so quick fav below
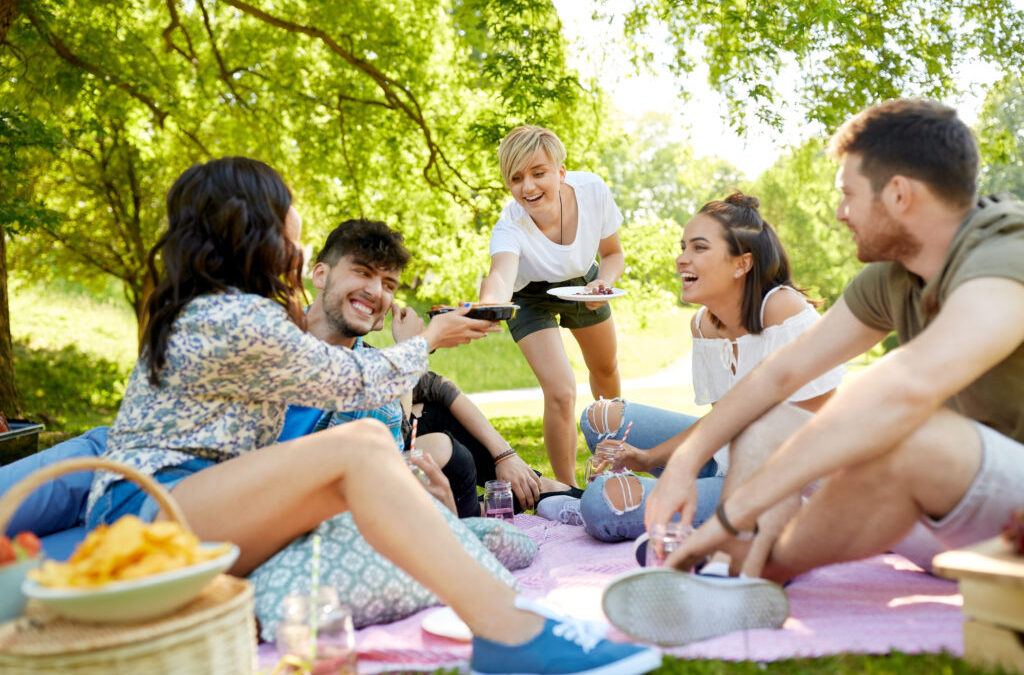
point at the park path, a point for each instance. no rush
(676, 374)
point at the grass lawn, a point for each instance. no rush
(74, 348)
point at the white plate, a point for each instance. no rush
(576, 293)
(444, 622)
(136, 600)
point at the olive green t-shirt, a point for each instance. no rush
(989, 243)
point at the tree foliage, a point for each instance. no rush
(1000, 131)
(798, 197)
(384, 110)
(845, 54)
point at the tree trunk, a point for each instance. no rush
(8, 8)
(8, 389)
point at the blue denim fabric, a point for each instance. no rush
(124, 497)
(651, 426)
(602, 523)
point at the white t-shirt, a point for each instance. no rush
(541, 259)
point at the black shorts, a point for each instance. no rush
(539, 310)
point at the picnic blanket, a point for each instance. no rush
(873, 606)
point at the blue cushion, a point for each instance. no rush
(60, 503)
(298, 421)
(60, 545)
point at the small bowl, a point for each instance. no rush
(135, 600)
(12, 600)
(487, 312)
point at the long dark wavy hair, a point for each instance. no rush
(225, 229)
(747, 232)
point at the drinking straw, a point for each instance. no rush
(625, 434)
(412, 438)
(314, 599)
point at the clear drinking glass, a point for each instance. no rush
(663, 540)
(498, 500)
(408, 456)
(602, 460)
(335, 634)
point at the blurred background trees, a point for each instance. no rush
(394, 110)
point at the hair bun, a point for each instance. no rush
(740, 199)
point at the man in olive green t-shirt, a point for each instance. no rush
(930, 436)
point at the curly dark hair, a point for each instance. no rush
(747, 232)
(371, 242)
(225, 229)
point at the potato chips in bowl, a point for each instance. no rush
(129, 571)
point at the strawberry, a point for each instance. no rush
(28, 543)
(7, 554)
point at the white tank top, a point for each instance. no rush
(719, 363)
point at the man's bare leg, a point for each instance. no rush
(866, 509)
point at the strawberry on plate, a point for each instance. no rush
(25, 545)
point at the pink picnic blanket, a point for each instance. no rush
(873, 606)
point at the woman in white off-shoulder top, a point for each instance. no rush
(732, 264)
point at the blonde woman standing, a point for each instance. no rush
(560, 229)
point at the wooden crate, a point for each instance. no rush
(991, 579)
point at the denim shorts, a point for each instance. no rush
(124, 497)
(539, 310)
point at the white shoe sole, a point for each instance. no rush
(669, 607)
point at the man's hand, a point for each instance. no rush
(455, 328)
(525, 483)
(674, 492)
(405, 323)
(439, 487)
(704, 541)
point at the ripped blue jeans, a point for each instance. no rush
(613, 504)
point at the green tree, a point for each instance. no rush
(1000, 130)
(845, 55)
(655, 176)
(388, 110)
(21, 138)
(798, 197)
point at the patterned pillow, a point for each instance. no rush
(510, 545)
(373, 587)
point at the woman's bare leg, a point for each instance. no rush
(546, 355)
(599, 347)
(267, 497)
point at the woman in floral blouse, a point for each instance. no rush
(223, 353)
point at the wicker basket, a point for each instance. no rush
(214, 633)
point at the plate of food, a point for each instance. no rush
(581, 294)
(129, 571)
(488, 311)
(444, 622)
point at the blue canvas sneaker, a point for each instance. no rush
(565, 646)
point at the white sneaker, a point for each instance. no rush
(562, 508)
(669, 607)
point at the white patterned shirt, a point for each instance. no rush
(234, 363)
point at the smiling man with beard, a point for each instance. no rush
(929, 438)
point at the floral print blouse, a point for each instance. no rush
(234, 363)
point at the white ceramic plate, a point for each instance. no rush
(576, 293)
(444, 622)
(136, 600)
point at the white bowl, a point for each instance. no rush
(135, 600)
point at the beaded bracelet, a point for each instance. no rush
(503, 456)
